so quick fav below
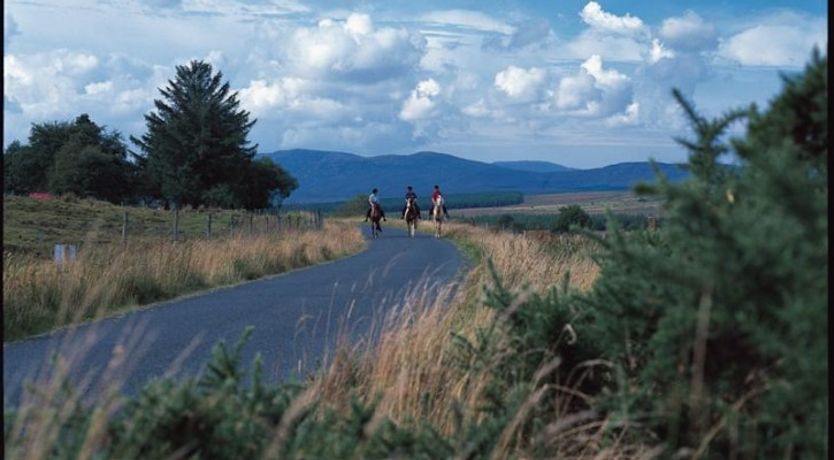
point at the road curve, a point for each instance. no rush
(298, 317)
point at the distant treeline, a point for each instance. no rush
(359, 203)
(551, 222)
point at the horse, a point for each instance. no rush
(437, 213)
(376, 216)
(411, 216)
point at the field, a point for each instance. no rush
(619, 202)
(32, 226)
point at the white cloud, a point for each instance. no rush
(421, 103)
(784, 39)
(468, 19)
(629, 117)
(519, 83)
(594, 91)
(617, 38)
(354, 50)
(594, 16)
(688, 32)
(99, 87)
(477, 109)
(659, 52)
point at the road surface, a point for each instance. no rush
(298, 317)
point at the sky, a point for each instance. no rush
(579, 83)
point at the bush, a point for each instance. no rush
(571, 216)
(717, 322)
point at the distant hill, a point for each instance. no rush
(333, 176)
(534, 166)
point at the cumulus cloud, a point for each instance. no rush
(520, 83)
(658, 52)
(268, 100)
(594, 16)
(422, 101)
(784, 39)
(618, 38)
(688, 32)
(354, 50)
(594, 91)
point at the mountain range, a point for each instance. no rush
(333, 176)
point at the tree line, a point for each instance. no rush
(195, 152)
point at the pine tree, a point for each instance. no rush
(196, 139)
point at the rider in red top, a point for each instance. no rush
(435, 195)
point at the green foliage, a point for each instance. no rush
(719, 319)
(569, 217)
(80, 158)
(355, 207)
(196, 149)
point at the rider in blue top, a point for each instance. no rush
(410, 194)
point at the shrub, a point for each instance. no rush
(717, 322)
(571, 216)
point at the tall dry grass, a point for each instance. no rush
(38, 295)
(410, 370)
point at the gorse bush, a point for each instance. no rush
(718, 322)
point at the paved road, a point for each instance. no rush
(298, 317)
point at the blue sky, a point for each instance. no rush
(579, 83)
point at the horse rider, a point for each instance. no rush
(410, 194)
(373, 199)
(437, 195)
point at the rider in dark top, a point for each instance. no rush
(410, 194)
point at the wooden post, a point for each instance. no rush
(208, 227)
(124, 227)
(176, 223)
(652, 223)
(251, 219)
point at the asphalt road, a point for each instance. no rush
(298, 319)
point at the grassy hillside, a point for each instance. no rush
(33, 226)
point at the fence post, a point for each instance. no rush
(176, 222)
(208, 227)
(251, 219)
(124, 227)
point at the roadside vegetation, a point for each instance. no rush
(705, 338)
(39, 295)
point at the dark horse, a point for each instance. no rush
(411, 216)
(376, 216)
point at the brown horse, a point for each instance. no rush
(376, 216)
(411, 216)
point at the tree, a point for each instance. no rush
(79, 157)
(572, 215)
(266, 183)
(196, 149)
